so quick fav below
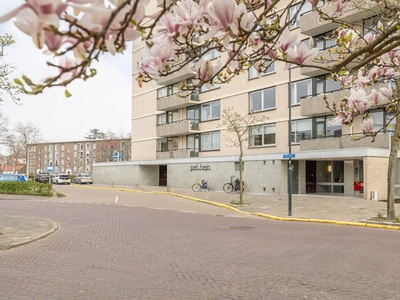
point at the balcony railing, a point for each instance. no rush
(181, 127)
(178, 153)
(176, 101)
(346, 141)
(315, 105)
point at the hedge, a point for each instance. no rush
(26, 188)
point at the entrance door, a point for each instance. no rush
(295, 177)
(311, 178)
(162, 175)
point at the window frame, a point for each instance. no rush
(251, 105)
(252, 70)
(211, 141)
(293, 90)
(211, 109)
(263, 128)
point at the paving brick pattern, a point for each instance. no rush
(143, 246)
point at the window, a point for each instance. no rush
(210, 141)
(324, 41)
(87, 146)
(253, 73)
(300, 89)
(211, 54)
(262, 100)
(262, 135)
(168, 90)
(324, 85)
(294, 9)
(301, 129)
(210, 111)
(161, 119)
(167, 144)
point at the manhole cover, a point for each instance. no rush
(242, 227)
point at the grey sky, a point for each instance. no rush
(102, 102)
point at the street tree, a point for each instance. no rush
(238, 127)
(246, 33)
(20, 137)
(7, 86)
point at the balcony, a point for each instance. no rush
(183, 74)
(182, 127)
(316, 106)
(346, 141)
(176, 101)
(311, 24)
(177, 153)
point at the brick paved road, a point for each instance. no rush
(179, 249)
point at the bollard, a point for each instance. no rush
(136, 186)
(187, 191)
(208, 196)
(112, 185)
(168, 188)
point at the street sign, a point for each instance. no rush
(288, 155)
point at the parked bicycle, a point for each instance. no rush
(200, 186)
(233, 186)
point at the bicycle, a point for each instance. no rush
(200, 186)
(233, 185)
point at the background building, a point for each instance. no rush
(176, 140)
(75, 157)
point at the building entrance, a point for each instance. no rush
(162, 175)
(311, 178)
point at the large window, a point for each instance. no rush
(168, 117)
(211, 54)
(300, 89)
(318, 127)
(253, 73)
(168, 90)
(210, 111)
(262, 100)
(262, 135)
(210, 141)
(294, 9)
(167, 144)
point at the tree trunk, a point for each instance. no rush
(391, 213)
(241, 175)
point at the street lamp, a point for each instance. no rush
(290, 144)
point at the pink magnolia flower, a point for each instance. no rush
(358, 100)
(300, 54)
(387, 93)
(288, 40)
(205, 70)
(376, 96)
(157, 59)
(65, 64)
(368, 125)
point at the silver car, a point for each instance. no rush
(83, 178)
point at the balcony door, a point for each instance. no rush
(311, 178)
(162, 175)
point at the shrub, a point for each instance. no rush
(26, 188)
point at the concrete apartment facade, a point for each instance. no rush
(176, 140)
(76, 156)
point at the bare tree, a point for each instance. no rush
(240, 126)
(21, 136)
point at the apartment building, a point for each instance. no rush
(176, 140)
(77, 156)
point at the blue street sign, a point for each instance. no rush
(288, 155)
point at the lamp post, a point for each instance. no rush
(290, 144)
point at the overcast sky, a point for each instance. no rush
(102, 102)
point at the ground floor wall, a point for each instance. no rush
(364, 177)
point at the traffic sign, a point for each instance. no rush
(289, 155)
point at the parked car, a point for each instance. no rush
(61, 179)
(42, 178)
(83, 178)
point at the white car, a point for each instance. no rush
(83, 178)
(61, 179)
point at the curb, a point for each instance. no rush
(267, 216)
(32, 239)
